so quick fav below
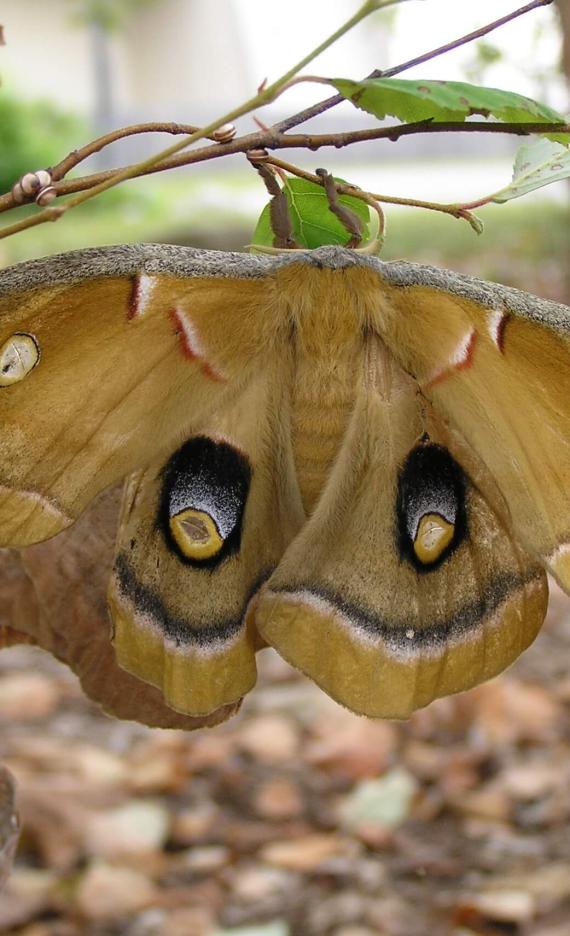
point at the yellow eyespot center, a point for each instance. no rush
(18, 356)
(196, 534)
(433, 536)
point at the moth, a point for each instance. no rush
(364, 465)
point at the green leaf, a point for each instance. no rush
(314, 224)
(444, 101)
(536, 164)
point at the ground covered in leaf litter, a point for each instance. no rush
(296, 818)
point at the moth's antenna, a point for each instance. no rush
(279, 216)
(349, 219)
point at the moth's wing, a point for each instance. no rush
(406, 584)
(53, 595)
(198, 535)
(104, 365)
(495, 364)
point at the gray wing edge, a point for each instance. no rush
(153, 259)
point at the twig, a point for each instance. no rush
(316, 109)
(60, 170)
(277, 141)
(264, 96)
(344, 188)
(270, 138)
(347, 217)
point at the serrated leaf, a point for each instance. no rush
(314, 224)
(444, 101)
(536, 164)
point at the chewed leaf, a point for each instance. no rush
(314, 224)
(536, 164)
(442, 101)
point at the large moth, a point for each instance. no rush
(364, 465)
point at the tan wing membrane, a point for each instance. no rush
(387, 610)
(197, 538)
(97, 378)
(503, 383)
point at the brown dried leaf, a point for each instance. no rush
(306, 853)
(271, 739)
(28, 893)
(9, 824)
(27, 696)
(511, 712)
(109, 892)
(355, 748)
(278, 798)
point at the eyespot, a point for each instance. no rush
(196, 534)
(430, 507)
(204, 492)
(434, 534)
(18, 356)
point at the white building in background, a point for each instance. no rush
(181, 60)
(159, 63)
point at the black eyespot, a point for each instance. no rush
(430, 507)
(204, 493)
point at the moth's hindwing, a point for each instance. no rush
(53, 593)
(198, 537)
(405, 584)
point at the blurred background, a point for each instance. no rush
(72, 69)
(296, 818)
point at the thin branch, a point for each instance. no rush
(264, 96)
(345, 188)
(272, 138)
(77, 156)
(316, 109)
(463, 40)
(278, 141)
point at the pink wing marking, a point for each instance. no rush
(142, 288)
(497, 323)
(191, 344)
(461, 359)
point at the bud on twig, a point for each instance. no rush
(225, 133)
(34, 185)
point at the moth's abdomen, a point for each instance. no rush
(329, 312)
(323, 399)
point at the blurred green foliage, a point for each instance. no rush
(109, 15)
(33, 135)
